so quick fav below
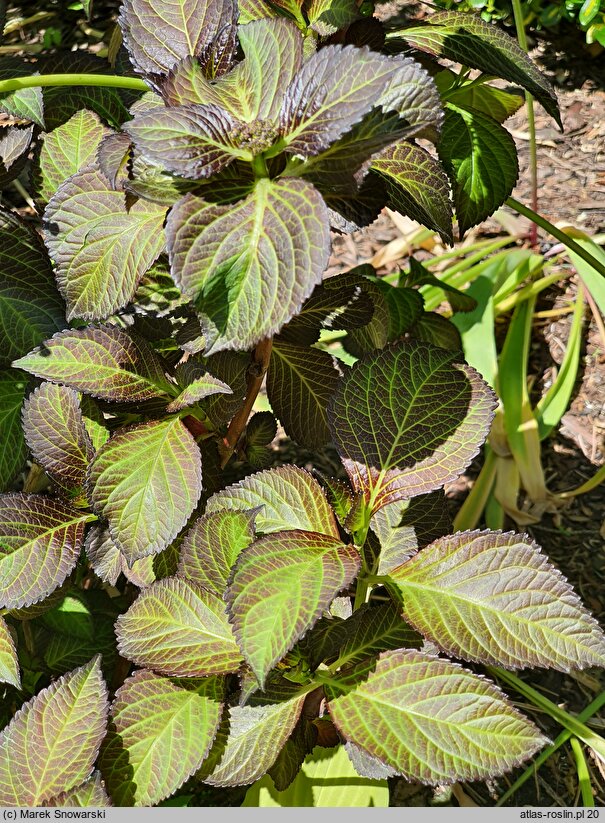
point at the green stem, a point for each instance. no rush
(259, 167)
(583, 773)
(555, 232)
(107, 80)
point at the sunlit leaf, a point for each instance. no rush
(197, 390)
(14, 149)
(51, 744)
(89, 793)
(151, 468)
(432, 720)
(280, 586)
(328, 16)
(495, 598)
(9, 663)
(159, 734)
(22, 103)
(495, 102)
(177, 628)
(13, 450)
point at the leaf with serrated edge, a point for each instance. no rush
(13, 450)
(212, 545)
(66, 150)
(51, 744)
(56, 435)
(490, 100)
(158, 34)
(199, 388)
(101, 249)
(495, 598)
(281, 585)
(467, 39)
(30, 306)
(160, 733)
(153, 468)
(177, 628)
(89, 793)
(286, 498)
(432, 720)
(40, 541)
(256, 736)
(249, 267)
(300, 383)
(23, 103)
(104, 361)
(9, 663)
(407, 420)
(480, 158)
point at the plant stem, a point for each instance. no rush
(256, 375)
(583, 773)
(40, 80)
(558, 233)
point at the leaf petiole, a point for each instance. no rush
(43, 80)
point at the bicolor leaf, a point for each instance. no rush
(9, 662)
(89, 793)
(197, 390)
(25, 104)
(13, 449)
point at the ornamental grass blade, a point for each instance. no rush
(9, 663)
(104, 361)
(13, 449)
(160, 732)
(281, 585)
(245, 281)
(212, 545)
(495, 598)
(56, 435)
(431, 720)
(286, 498)
(52, 742)
(90, 793)
(40, 541)
(101, 248)
(407, 420)
(153, 467)
(177, 628)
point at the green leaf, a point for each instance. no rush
(100, 247)
(151, 467)
(56, 435)
(467, 39)
(419, 275)
(432, 720)
(177, 628)
(89, 793)
(13, 450)
(26, 104)
(405, 308)
(40, 540)
(281, 585)
(495, 598)
(407, 420)
(160, 733)
(286, 498)
(30, 306)
(480, 158)
(256, 736)
(212, 545)
(228, 367)
(66, 150)
(494, 102)
(300, 382)
(438, 330)
(417, 186)
(292, 756)
(51, 744)
(157, 34)
(104, 361)
(324, 775)
(63, 652)
(326, 17)
(9, 662)
(232, 261)
(197, 390)
(14, 149)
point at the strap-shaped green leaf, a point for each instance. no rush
(40, 541)
(89, 793)
(467, 39)
(13, 450)
(104, 361)
(66, 150)
(286, 498)
(495, 598)
(100, 247)
(152, 467)
(234, 263)
(432, 720)
(30, 306)
(9, 663)
(160, 733)
(56, 435)
(281, 585)
(213, 544)
(407, 420)
(177, 628)
(300, 382)
(481, 160)
(51, 744)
